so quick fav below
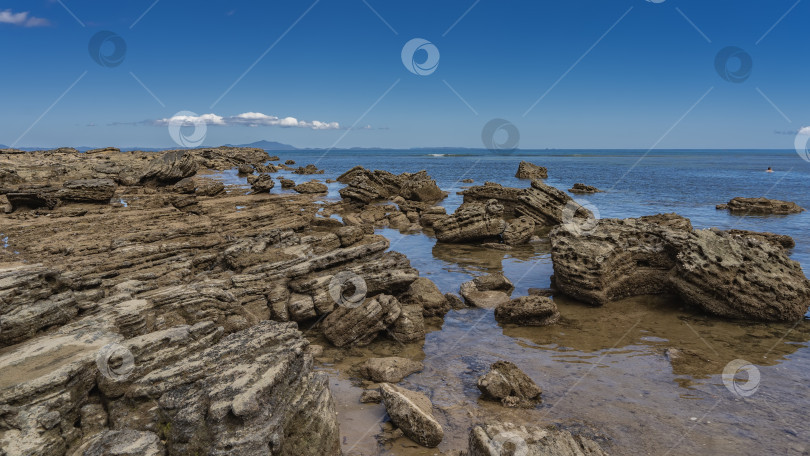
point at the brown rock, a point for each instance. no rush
(412, 412)
(528, 311)
(528, 170)
(389, 370)
(506, 383)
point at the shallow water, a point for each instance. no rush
(604, 371)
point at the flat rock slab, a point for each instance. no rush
(510, 439)
(412, 412)
(760, 206)
(489, 299)
(388, 370)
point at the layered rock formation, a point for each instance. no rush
(364, 186)
(505, 382)
(412, 412)
(726, 274)
(528, 311)
(472, 222)
(760, 206)
(582, 188)
(528, 170)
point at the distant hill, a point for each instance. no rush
(267, 145)
(3, 146)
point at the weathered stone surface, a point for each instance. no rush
(487, 299)
(364, 186)
(455, 301)
(170, 167)
(779, 240)
(360, 325)
(429, 216)
(412, 412)
(200, 186)
(87, 190)
(518, 231)
(371, 397)
(495, 281)
(32, 297)
(349, 235)
(309, 169)
(506, 383)
(287, 183)
(471, 222)
(528, 170)
(410, 326)
(311, 187)
(507, 196)
(549, 206)
(33, 197)
(760, 206)
(244, 169)
(511, 439)
(261, 183)
(126, 442)
(424, 293)
(528, 311)
(582, 188)
(388, 370)
(722, 273)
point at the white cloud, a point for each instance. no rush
(249, 119)
(804, 131)
(22, 19)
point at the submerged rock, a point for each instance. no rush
(501, 439)
(506, 383)
(387, 370)
(412, 412)
(487, 299)
(528, 170)
(760, 206)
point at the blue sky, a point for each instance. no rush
(615, 74)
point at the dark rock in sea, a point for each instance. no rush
(311, 187)
(245, 169)
(760, 206)
(528, 170)
(309, 169)
(495, 281)
(287, 183)
(721, 273)
(467, 181)
(486, 299)
(528, 311)
(506, 383)
(582, 188)
(289, 162)
(412, 412)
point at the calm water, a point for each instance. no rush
(600, 368)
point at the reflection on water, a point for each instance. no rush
(644, 372)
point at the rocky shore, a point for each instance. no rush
(147, 308)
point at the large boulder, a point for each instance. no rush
(424, 293)
(412, 412)
(471, 222)
(528, 311)
(505, 382)
(33, 197)
(500, 439)
(528, 170)
(261, 183)
(726, 274)
(87, 190)
(170, 167)
(350, 325)
(387, 370)
(760, 206)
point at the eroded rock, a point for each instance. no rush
(412, 412)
